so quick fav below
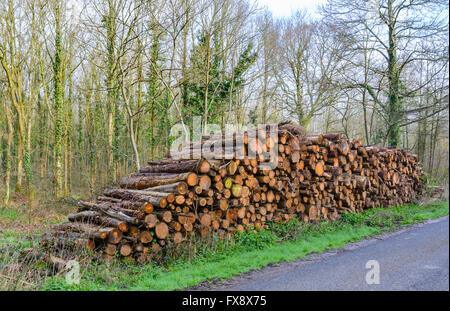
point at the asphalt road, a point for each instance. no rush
(415, 258)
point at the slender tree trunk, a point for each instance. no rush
(58, 97)
(19, 184)
(364, 98)
(435, 137)
(8, 152)
(205, 98)
(394, 83)
(110, 23)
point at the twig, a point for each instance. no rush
(13, 279)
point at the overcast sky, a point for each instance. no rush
(283, 8)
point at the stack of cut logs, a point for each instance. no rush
(242, 181)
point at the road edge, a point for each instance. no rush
(273, 268)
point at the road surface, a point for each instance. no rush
(415, 258)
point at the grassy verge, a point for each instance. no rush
(217, 259)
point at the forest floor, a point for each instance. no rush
(198, 262)
(20, 218)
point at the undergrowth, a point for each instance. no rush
(200, 260)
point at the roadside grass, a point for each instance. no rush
(214, 259)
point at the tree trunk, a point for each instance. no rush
(8, 160)
(58, 97)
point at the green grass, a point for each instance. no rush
(219, 259)
(10, 213)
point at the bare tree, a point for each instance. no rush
(311, 57)
(397, 30)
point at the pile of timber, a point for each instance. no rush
(225, 184)
(435, 191)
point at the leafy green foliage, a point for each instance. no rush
(211, 88)
(255, 239)
(158, 104)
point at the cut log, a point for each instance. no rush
(143, 182)
(136, 195)
(161, 230)
(198, 166)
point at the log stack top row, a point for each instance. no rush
(229, 183)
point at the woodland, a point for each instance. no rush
(90, 89)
